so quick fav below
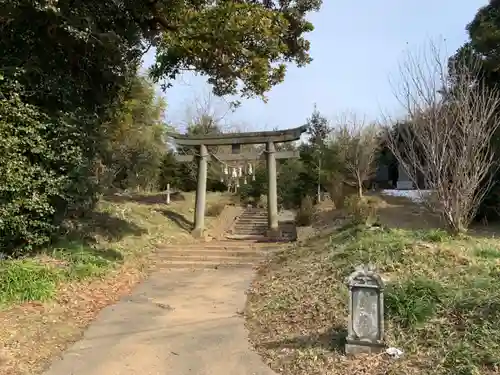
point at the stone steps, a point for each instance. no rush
(252, 221)
(174, 264)
(223, 244)
(251, 231)
(209, 252)
(252, 224)
(213, 255)
(258, 237)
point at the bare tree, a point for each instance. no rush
(208, 111)
(451, 117)
(209, 114)
(206, 114)
(357, 143)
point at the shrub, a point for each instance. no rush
(339, 190)
(46, 166)
(305, 213)
(244, 196)
(335, 188)
(251, 192)
(362, 210)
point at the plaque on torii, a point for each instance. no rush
(269, 138)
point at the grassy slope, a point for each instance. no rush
(442, 303)
(46, 300)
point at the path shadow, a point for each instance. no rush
(150, 199)
(178, 219)
(99, 224)
(403, 213)
(333, 340)
(109, 254)
(480, 230)
(84, 231)
(327, 218)
(393, 211)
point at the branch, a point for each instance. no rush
(160, 19)
(447, 139)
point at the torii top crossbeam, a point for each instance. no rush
(276, 136)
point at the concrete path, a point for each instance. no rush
(178, 322)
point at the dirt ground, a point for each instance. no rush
(33, 333)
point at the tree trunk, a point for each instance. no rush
(319, 180)
(360, 187)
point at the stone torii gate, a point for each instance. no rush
(269, 138)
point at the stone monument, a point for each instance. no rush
(366, 312)
(404, 182)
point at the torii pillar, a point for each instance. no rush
(269, 138)
(201, 193)
(272, 192)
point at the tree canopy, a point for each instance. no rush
(483, 47)
(484, 42)
(232, 41)
(72, 103)
(88, 47)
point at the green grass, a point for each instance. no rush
(37, 279)
(26, 281)
(442, 303)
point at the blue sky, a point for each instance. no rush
(356, 48)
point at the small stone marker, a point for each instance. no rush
(366, 312)
(168, 193)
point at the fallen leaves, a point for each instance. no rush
(33, 333)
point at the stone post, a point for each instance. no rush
(404, 182)
(272, 194)
(168, 193)
(201, 193)
(366, 311)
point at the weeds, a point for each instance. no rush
(413, 301)
(434, 235)
(487, 252)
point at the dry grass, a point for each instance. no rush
(442, 300)
(47, 301)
